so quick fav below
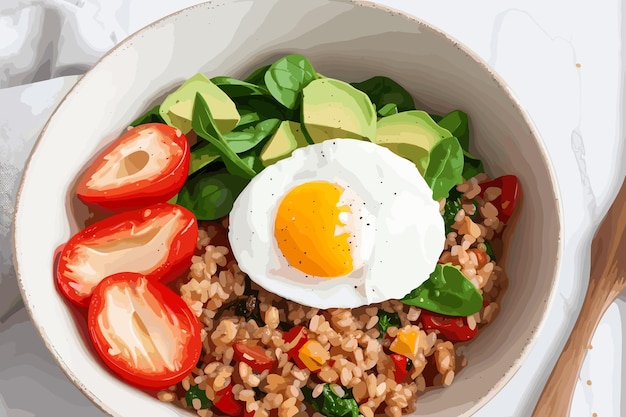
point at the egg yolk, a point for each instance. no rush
(308, 230)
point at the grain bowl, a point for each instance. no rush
(239, 36)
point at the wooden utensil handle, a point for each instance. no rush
(608, 253)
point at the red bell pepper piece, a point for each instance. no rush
(128, 318)
(147, 164)
(505, 202)
(454, 329)
(157, 241)
(402, 367)
(253, 356)
(225, 402)
(295, 338)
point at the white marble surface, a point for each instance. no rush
(564, 60)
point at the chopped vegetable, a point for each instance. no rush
(313, 355)
(253, 356)
(295, 338)
(334, 401)
(505, 202)
(146, 165)
(402, 366)
(127, 318)
(455, 329)
(194, 392)
(447, 291)
(407, 342)
(157, 241)
(386, 320)
(225, 402)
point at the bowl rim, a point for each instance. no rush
(500, 82)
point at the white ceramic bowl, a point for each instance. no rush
(346, 40)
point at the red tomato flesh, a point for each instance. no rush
(452, 328)
(225, 402)
(505, 202)
(143, 331)
(157, 241)
(254, 356)
(147, 164)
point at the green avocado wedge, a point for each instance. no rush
(335, 109)
(287, 138)
(177, 108)
(411, 134)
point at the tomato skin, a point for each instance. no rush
(505, 202)
(454, 329)
(225, 402)
(145, 187)
(254, 356)
(123, 227)
(401, 363)
(159, 298)
(295, 338)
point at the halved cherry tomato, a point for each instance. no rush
(402, 365)
(147, 164)
(505, 202)
(253, 356)
(157, 241)
(454, 329)
(143, 331)
(225, 402)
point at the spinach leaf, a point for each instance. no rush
(151, 116)
(258, 76)
(330, 404)
(445, 167)
(202, 155)
(447, 291)
(472, 166)
(457, 123)
(204, 126)
(387, 320)
(435, 117)
(450, 209)
(388, 109)
(382, 90)
(210, 197)
(286, 78)
(253, 109)
(250, 136)
(237, 88)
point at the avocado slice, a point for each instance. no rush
(176, 109)
(411, 134)
(287, 138)
(335, 109)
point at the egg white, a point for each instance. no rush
(398, 232)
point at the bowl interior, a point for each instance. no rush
(350, 41)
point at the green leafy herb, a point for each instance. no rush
(210, 197)
(387, 320)
(450, 209)
(238, 88)
(204, 126)
(254, 109)
(447, 291)
(151, 116)
(331, 403)
(382, 90)
(457, 123)
(388, 109)
(445, 167)
(437, 118)
(489, 250)
(258, 76)
(250, 136)
(202, 155)
(472, 166)
(286, 78)
(195, 392)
